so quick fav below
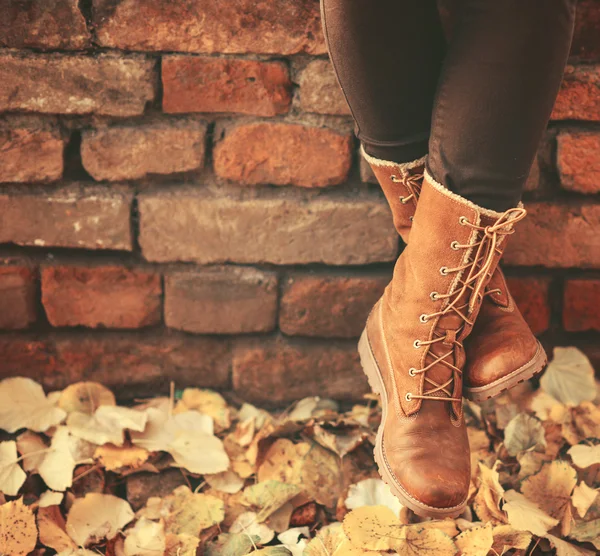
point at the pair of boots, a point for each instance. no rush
(446, 326)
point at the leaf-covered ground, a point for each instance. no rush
(192, 475)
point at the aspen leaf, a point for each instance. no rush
(113, 457)
(23, 405)
(50, 498)
(569, 377)
(106, 425)
(85, 397)
(585, 456)
(587, 531)
(293, 540)
(269, 496)
(181, 545)
(59, 464)
(231, 545)
(489, 494)
(226, 481)
(583, 498)
(321, 475)
(523, 433)
(564, 548)
(416, 540)
(283, 462)
(524, 515)
(248, 523)
(372, 492)
(12, 476)
(340, 443)
(32, 448)
(329, 541)
(97, 517)
(18, 532)
(145, 538)
(208, 403)
(52, 528)
(507, 538)
(477, 541)
(551, 488)
(372, 527)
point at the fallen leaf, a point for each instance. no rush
(524, 433)
(248, 523)
(489, 495)
(12, 476)
(106, 425)
(477, 541)
(50, 498)
(227, 481)
(372, 492)
(23, 405)
(329, 541)
(283, 462)
(583, 497)
(97, 517)
(208, 403)
(372, 527)
(230, 545)
(564, 548)
(113, 457)
(59, 464)
(569, 377)
(181, 545)
(269, 496)
(585, 456)
(85, 397)
(18, 532)
(145, 538)
(321, 476)
(32, 449)
(52, 528)
(416, 540)
(524, 515)
(506, 538)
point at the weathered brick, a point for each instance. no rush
(106, 84)
(580, 305)
(43, 24)
(586, 40)
(101, 296)
(204, 26)
(277, 372)
(132, 364)
(552, 235)
(579, 96)
(17, 297)
(329, 306)
(578, 160)
(132, 152)
(190, 225)
(30, 153)
(532, 297)
(283, 154)
(207, 84)
(73, 216)
(320, 91)
(221, 300)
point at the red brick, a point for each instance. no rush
(132, 364)
(579, 161)
(563, 236)
(30, 153)
(73, 216)
(579, 96)
(278, 372)
(283, 154)
(101, 296)
(532, 297)
(329, 306)
(205, 26)
(221, 300)
(207, 84)
(43, 24)
(193, 225)
(17, 297)
(586, 40)
(320, 91)
(134, 151)
(105, 84)
(581, 305)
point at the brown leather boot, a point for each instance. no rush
(412, 348)
(501, 351)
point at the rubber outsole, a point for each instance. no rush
(371, 370)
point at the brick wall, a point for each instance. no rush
(181, 198)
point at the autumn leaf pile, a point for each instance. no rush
(297, 482)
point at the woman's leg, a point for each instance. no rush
(498, 85)
(387, 56)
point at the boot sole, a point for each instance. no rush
(371, 370)
(533, 367)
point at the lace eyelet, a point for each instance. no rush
(411, 371)
(416, 344)
(395, 178)
(403, 200)
(408, 397)
(444, 271)
(411, 218)
(433, 296)
(424, 318)
(454, 245)
(463, 221)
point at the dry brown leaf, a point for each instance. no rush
(32, 449)
(52, 527)
(269, 496)
(524, 515)
(18, 532)
(507, 538)
(12, 476)
(476, 541)
(283, 462)
(564, 548)
(113, 457)
(248, 523)
(524, 433)
(321, 476)
(85, 397)
(23, 405)
(489, 494)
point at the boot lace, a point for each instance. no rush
(471, 285)
(413, 181)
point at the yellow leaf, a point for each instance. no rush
(145, 538)
(524, 433)
(569, 377)
(372, 527)
(329, 541)
(186, 512)
(321, 475)
(85, 397)
(209, 403)
(248, 523)
(524, 515)
(507, 538)
(585, 456)
(489, 494)
(476, 541)
(59, 464)
(226, 481)
(113, 457)
(52, 527)
(32, 448)
(583, 498)
(50, 498)
(372, 492)
(18, 533)
(269, 496)
(564, 548)
(416, 540)
(283, 462)
(181, 545)
(12, 476)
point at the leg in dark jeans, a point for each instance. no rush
(387, 56)
(496, 86)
